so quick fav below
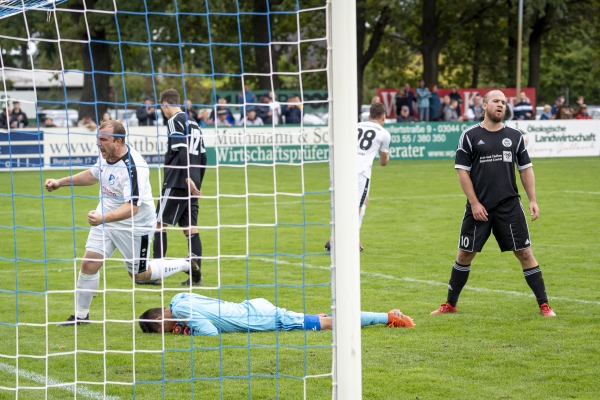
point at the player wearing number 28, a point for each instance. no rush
(486, 157)
(185, 162)
(373, 138)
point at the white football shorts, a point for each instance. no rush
(134, 249)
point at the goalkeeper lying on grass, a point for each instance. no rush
(193, 314)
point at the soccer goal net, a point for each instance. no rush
(271, 85)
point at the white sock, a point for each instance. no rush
(161, 268)
(361, 215)
(84, 298)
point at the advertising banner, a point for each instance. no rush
(560, 138)
(62, 148)
(388, 97)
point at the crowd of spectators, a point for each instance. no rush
(560, 110)
(253, 110)
(425, 105)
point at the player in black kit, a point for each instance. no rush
(485, 161)
(185, 162)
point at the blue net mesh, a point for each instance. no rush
(263, 217)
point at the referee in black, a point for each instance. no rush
(485, 160)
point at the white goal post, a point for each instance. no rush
(347, 366)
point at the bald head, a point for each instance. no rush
(491, 94)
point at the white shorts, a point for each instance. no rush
(363, 189)
(134, 249)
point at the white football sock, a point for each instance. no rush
(84, 298)
(161, 268)
(361, 215)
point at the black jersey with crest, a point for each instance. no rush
(490, 158)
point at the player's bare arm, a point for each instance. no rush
(384, 157)
(125, 211)
(84, 178)
(528, 180)
(479, 211)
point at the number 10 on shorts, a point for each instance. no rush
(464, 242)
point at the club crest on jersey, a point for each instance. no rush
(111, 179)
(506, 142)
(507, 156)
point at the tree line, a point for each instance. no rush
(201, 48)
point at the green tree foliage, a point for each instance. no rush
(202, 47)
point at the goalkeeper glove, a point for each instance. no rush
(181, 329)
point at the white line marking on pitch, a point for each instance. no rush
(580, 192)
(435, 283)
(70, 387)
(378, 275)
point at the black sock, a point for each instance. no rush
(534, 279)
(458, 280)
(159, 248)
(196, 245)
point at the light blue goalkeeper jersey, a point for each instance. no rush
(207, 316)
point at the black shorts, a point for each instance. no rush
(175, 207)
(507, 221)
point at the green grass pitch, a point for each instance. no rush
(497, 346)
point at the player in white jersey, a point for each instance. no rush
(372, 138)
(124, 218)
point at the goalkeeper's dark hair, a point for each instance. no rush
(377, 111)
(171, 97)
(148, 321)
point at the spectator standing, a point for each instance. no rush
(376, 99)
(582, 113)
(264, 111)
(547, 114)
(87, 122)
(293, 113)
(434, 103)
(423, 95)
(251, 119)
(405, 115)
(275, 108)
(146, 114)
(401, 100)
(557, 104)
(245, 98)
(454, 95)
(475, 110)
(451, 113)
(439, 114)
(189, 110)
(410, 99)
(523, 110)
(5, 118)
(106, 117)
(221, 106)
(18, 119)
